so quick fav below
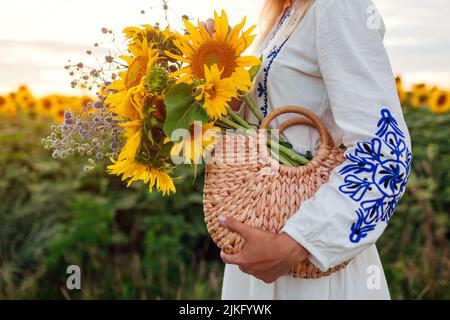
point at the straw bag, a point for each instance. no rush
(245, 182)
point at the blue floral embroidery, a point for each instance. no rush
(262, 86)
(286, 15)
(381, 165)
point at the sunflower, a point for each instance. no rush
(3, 102)
(440, 101)
(7, 106)
(162, 40)
(58, 114)
(131, 81)
(138, 86)
(46, 105)
(200, 49)
(132, 170)
(400, 90)
(25, 98)
(420, 95)
(193, 147)
(216, 92)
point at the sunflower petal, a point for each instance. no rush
(176, 57)
(248, 61)
(234, 33)
(193, 31)
(221, 24)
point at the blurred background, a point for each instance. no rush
(134, 245)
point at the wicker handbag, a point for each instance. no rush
(255, 189)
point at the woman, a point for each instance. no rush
(328, 56)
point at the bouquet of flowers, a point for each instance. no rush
(168, 100)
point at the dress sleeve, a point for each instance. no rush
(350, 212)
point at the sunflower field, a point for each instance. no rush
(132, 244)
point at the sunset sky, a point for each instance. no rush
(38, 36)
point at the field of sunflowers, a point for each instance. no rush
(132, 244)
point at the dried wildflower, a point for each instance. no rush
(91, 134)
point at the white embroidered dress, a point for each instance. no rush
(333, 62)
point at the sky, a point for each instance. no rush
(37, 37)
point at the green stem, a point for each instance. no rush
(286, 154)
(231, 124)
(291, 154)
(238, 119)
(253, 108)
(282, 159)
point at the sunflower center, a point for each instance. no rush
(423, 98)
(136, 71)
(442, 99)
(210, 91)
(47, 104)
(2, 101)
(214, 52)
(160, 109)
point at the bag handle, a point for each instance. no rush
(299, 122)
(326, 143)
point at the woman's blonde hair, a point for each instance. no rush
(273, 9)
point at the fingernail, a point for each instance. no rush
(222, 218)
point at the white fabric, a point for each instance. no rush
(348, 284)
(334, 63)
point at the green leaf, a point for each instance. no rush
(286, 144)
(254, 70)
(182, 109)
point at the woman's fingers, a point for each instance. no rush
(210, 27)
(235, 226)
(235, 104)
(231, 258)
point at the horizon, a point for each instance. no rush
(37, 38)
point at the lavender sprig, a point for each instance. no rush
(92, 134)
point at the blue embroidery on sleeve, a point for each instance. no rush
(382, 165)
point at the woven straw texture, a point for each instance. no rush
(245, 182)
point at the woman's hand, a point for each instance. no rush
(209, 26)
(265, 255)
